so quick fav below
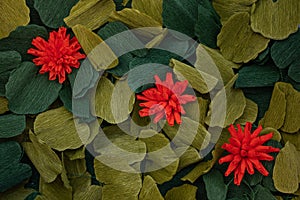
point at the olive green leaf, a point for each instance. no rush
(215, 186)
(12, 125)
(57, 129)
(97, 51)
(276, 133)
(234, 103)
(292, 138)
(250, 113)
(90, 13)
(43, 158)
(74, 168)
(149, 190)
(3, 105)
(199, 80)
(238, 42)
(55, 190)
(113, 103)
(186, 191)
(74, 154)
(197, 110)
(275, 20)
(149, 7)
(190, 156)
(26, 86)
(13, 14)
(286, 172)
(18, 192)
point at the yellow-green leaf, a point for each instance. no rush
(16, 193)
(149, 190)
(276, 133)
(250, 113)
(186, 192)
(149, 7)
(190, 156)
(292, 138)
(197, 110)
(55, 190)
(3, 105)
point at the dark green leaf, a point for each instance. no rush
(29, 92)
(263, 57)
(215, 186)
(12, 125)
(294, 71)
(263, 193)
(65, 95)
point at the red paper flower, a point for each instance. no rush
(57, 55)
(246, 151)
(165, 100)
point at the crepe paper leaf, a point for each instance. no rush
(294, 73)
(57, 129)
(238, 42)
(275, 20)
(52, 13)
(263, 193)
(263, 57)
(18, 192)
(257, 76)
(113, 103)
(286, 170)
(189, 157)
(97, 51)
(74, 168)
(205, 166)
(250, 113)
(65, 95)
(82, 188)
(12, 172)
(285, 53)
(282, 113)
(74, 154)
(43, 158)
(276, 133)
(25, 86)
(159, 153)
(16, 10)
(117, 184)
(292, 138)
(12, 125)
(242, 192)
(185, 191)
(151, 8)
(208, 24)
(90, 13)
(235, 104)
(149, 190)
(180, 15)
(20, 39)
(9, 60)
(210, 60)
(215, 186)
(231, 7)
(3, 105)
(189, 132)
(54, 190)
(200, 81)
(197, 110)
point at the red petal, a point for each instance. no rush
(256, 132)
(261, 140)
(230, 148)
(259, 167)
(227, 158)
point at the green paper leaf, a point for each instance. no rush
(26, 86)
(263, 193)
(12, 125)
(20, 39)
(208, 24)
(186, 192)
(149, 190)
(12, 171)
(3, 105)
(180, 15)
(65, 95)
(257, 76)
(53, 12)
(215, 186)
(9, 60)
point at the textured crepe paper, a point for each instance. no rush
(214, 185)
(97, 51)
(275, 20)
(43, 158)
(90, 13)
(189, 157)
(292, 138)
(238, 42)
(57, 129)
(197, 110)
(186, 191)
(3, 105)
(286, 173)
(13, 14)
(18, 192)
(54, 190)
(149, 190)
(250, 113)
(149, 7)
(283, 110)
(74, 168)
(155, 143)
(113, 103)
(12, 125)
(276, 134)
(235, 105)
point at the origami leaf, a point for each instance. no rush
(16, 10)
(20, 39)
(9, 60)
(275, 20)
(215, 186)
(250, 113)
(57, 129)
(180, 15)
(235, 105)
(99, 54)
(185, 191)
(238, 42)
(53, 12)
(90, 13)
(113, 103)
(149, 190)
(55, 190)
(25, 86)
(286, 170)
(44, 159)
(3, 105)
(12, 172)
(151, 8)
(12, 125)
(208, 24)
